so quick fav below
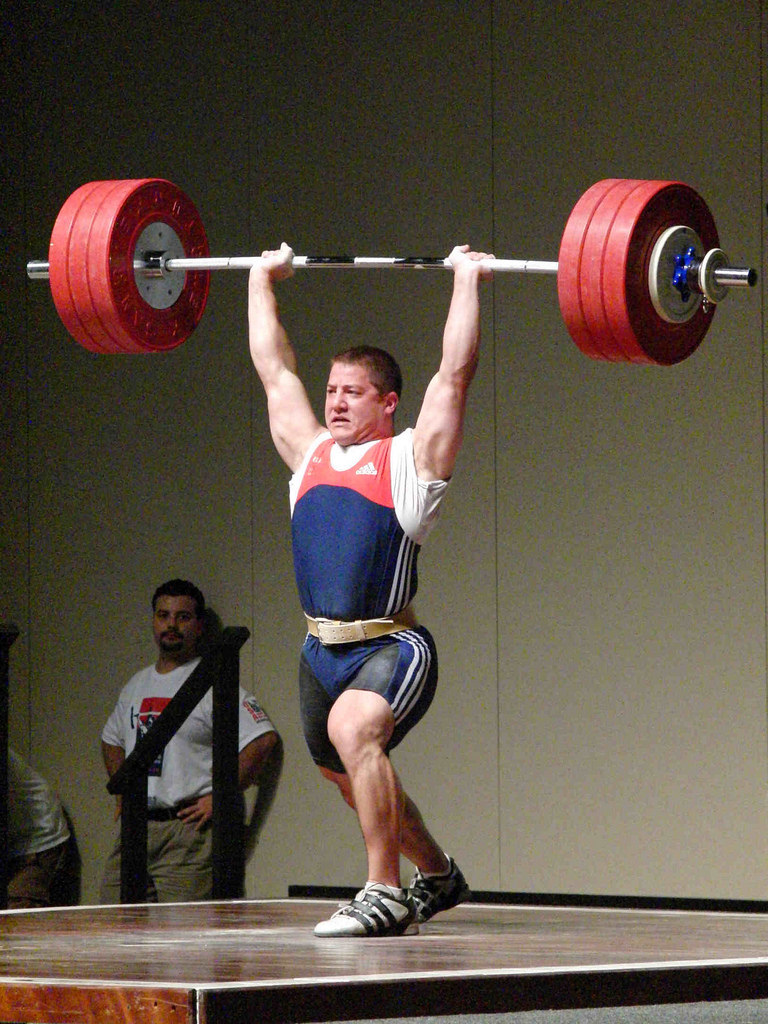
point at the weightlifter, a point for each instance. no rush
(363, 499)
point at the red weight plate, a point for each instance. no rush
(60, 270)
(650, 209)
(121, 218)
(82, 268)
(569, 271)
(596, 251)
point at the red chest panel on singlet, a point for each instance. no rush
(370, 476)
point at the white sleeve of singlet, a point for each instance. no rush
(417, 502)
(298, 476)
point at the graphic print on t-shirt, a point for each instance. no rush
(253, 708)
(150, 709)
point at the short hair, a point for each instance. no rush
(181, 588)
(381, 366)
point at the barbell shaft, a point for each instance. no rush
(372, 262)
(38, 270)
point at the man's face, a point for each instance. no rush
(176, 626)
(355, 412)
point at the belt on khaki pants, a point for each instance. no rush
(335, 631)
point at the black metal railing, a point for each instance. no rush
(8, 634)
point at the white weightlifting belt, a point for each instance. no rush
(336, 631)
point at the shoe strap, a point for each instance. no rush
(363, 910)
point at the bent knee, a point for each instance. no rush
(360, 722)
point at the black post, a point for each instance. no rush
(133, 841)
(8, 634)
(228, 856)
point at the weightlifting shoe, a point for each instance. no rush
(377, 910)
(434, 893)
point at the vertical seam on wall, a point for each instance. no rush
(495, 377)
(27, 405)
(762, 43)
(249, 83)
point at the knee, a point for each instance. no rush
(360, 726)
(346, 737)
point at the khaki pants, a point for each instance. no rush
(31, 878)
(178, 864)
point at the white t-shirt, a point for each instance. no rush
(183, 771)
(36, 819)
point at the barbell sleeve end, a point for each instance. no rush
(38, 270)
(736, 277)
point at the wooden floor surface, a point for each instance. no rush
(252, 961)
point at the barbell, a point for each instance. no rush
(639, 270)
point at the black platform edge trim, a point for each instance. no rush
(537, 899)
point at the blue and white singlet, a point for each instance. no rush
(358, 518)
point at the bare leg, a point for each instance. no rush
(417, 843)
(359, 726)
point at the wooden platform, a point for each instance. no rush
(254, 961)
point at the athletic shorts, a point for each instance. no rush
(401, 667)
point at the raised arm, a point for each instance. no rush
(439, 429)
(291, 420)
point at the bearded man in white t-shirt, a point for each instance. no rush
(179, 786)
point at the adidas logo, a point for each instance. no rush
(367, 470)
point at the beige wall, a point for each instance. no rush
(597, 584)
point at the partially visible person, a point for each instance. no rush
(179, 787)
(41, 863)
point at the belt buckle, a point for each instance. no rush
(340, 632)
